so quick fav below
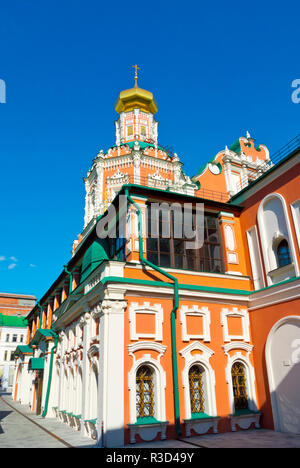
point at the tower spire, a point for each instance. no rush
(135, 75)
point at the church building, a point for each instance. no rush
(178, 313)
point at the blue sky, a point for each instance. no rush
(216, 69)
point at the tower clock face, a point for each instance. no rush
(214, 168)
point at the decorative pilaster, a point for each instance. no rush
(84, 326)
(111, 373)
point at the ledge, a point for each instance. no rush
(147, 429)
(244, 419)
(201, 423)
(147, 422)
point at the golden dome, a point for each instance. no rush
(133, 98)
(136, 97)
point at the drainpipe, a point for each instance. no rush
(173, 312)
(53, 350)
(71, 278)
(50, 376)
(41, 313)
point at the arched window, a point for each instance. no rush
(283, 254)
(239, 386)
(196, 390)
(144, 392)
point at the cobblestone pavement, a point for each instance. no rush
(17, 431)
(256, 438)
(27, 430)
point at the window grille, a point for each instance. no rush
(144, 393)
(196, 389)
(239, 386)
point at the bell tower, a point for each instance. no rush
(136, 108)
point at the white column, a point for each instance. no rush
(84, 323)
(111, 374)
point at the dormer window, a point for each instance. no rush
(283, 254)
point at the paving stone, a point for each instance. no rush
(18, 432)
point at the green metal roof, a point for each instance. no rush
(23, 349)
(12, 321)
(94, 255)
(36, 364)
(42, 333)
(236, 147)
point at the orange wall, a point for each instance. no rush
(286, 185)
(218, 361)
(261, 322)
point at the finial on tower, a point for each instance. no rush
(135, 75)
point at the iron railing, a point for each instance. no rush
(165, 183)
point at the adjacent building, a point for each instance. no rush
(13, 331)
(155, 328)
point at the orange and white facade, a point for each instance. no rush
(115, 350)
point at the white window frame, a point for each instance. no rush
(295, 220)
(235, 312)
(159, 387)
(250, 378)
(266, 243)
(255, 258)
(201, 359)
(145, 308)
(195, 311)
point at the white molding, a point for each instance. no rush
(295, 220)
(250, 380)
(146, 345)
(237, 345)
(229, 237)
(203, 360)
(265, 242)
(276, 294)
(145, 308)
(255, 258)
(271, 377)
(159, 387)
(235, 312)
(148, 432)
(195, 311)
(244, 421)
(201, 425)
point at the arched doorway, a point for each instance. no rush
(283, 365)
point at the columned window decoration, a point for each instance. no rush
(198, 380)
(144, 393)
(174, 251)
(240, 379)
(147, 384)
(277, 239)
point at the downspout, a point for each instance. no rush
(71, 278)
(173, 312)
(53, 350)
(50, 376)
(41, 313)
